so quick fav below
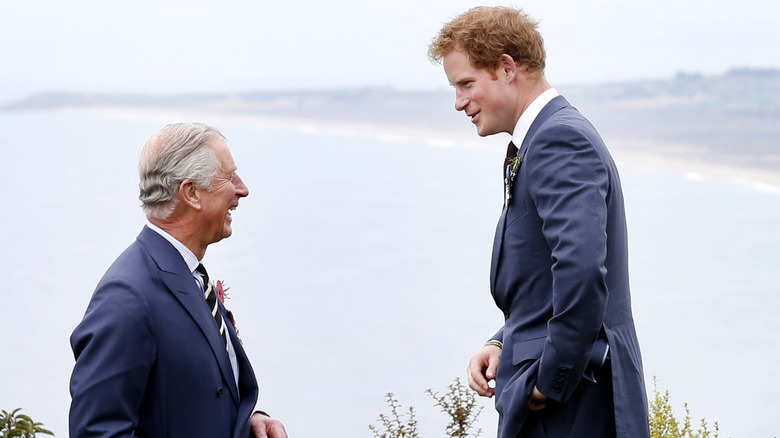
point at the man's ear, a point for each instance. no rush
(507, 67)
(190, 194)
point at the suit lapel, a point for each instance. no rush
(247, 381)
(246, 373)
(180, 282)
(497, 241)
(554, 105)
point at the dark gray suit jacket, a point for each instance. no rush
(560, 274)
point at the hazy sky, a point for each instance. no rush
(174, 46)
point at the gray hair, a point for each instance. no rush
(170, 156)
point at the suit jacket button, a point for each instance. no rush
(219, 392)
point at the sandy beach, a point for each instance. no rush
(631, 151)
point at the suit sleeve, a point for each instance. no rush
(114, 351)
(499, 336)
(569, 185)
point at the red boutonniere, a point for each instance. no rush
(221, 291)
(222, 294)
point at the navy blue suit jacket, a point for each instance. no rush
(559, 273)
(149, 359)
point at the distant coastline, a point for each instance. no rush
(635, 152)
(726, 125)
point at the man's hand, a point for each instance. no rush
(266, 427)
(536, 402)
(482, 369)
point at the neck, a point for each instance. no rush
(535, 86)
(180, 231)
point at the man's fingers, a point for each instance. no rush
(478, 382)
(475, 372)
(475, 379)
(491, 369)
(482, 369)
(537, 400)
(266, 427)
(278, 431)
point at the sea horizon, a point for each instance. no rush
(359, 265)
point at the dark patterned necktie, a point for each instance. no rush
(511, 153)
(211, 301)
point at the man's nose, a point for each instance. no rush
(241, 189)
(460, 102)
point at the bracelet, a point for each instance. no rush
(494, 343)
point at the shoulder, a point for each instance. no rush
(565, 123)
(134, 266)
(562, 129)
(119, 309)
(563, 150)
(123, 291)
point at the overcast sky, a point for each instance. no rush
(175, 46)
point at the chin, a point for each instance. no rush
(485, 132)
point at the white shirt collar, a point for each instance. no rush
(529, 115)
(189, 257)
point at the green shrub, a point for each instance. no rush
(663, 423)
(396, 425)
(460, 404)
(14, 424)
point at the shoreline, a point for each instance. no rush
(760, 179)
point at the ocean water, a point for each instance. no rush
(359, 266)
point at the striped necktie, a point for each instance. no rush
(211, 301)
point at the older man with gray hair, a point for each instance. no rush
(156, 353)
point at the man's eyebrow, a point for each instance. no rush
(229, 173)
